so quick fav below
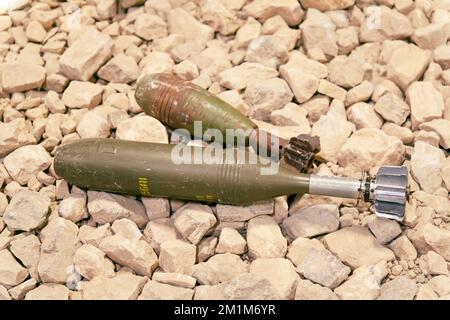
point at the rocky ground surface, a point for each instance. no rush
(369, 77)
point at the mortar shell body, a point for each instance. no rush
(147, 169)
(178, 104)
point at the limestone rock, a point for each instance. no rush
(300, 248)
(175, 279)
(206, 248)
(27, 250)
(181, 22)
(82, 95)
(264, 238)
(306, 290)
(150, 27)
(11, 272)
(249, 286)
(363, 284)
(385, 230)
(355, 246)
(401, 288)
(346, 72)
(120, 69)
(193, 221)
(156, 208)
(107, 207)
(124, 286)
(229, 213)
(313, 221)
(284, 283)
(403, 248)
(59, 243)
(363, 115)
(407, 64)
(290, 115)
(158, 231)
(442, 128)
(177, 256)
(133, 253)
(219, 268)
(321, 267)
(220, 17)
(126, 228)
(91, 235)
(230, 241)
(32, 77)
(360, 93)
(205, 292)
(434, 264)
(430, 36)
(319, 32)
(331, 90)
(48, 291)
(91, 262)
(392, 108)
(370, 147)
(26, 211)
(73, 207)
(426, 103)
(265, 96)
(333, 129)
(142, 128)
(159, 291)
(267, 50)
(327, 5)
(86, 55)
(426, 164)
(241, 76)
(289, 10)
(15, 134)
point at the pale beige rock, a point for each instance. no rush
(35, 32)
(403, 248)
(130, 3)
(32, 77)
(142, 128)
(241, 76)
(48, 291)
(437, 203)
(91, 235)
(370, 147)
(174, 279)
(150, 27)
(136, 254)
(11, 272)
(320, 266)
(91, 262)
(15, 134)
(290, 115)
(267, 50)
(401, 288)
(426, 103)
(303, 75)
(219, 268)
(306, 290)
(319, 32)
(346, 72)
(359, 93)
(331, 90)
(86, 55)
(206, 248)
(442, 128)
(27, 250)
(186, 70)
(5, 23)
(234, 99)
(327, 5)
(428, 137)
(266, 96)
(230, 213)
(430, 36)
(177, 256)
(441, 55)
(434, 264)
(73, 207)
(54, 103)
(124, 286)
(93, 125)
(82, 95)
(312, 221)
(440, 285)
(249, 286)
(284, 282)
(363, 284)
(159, 291)
(363, 115)
(250, 30)
(425, 292)
(106, 207)
(264, 238)
(436, 239)
(156, 62)
(231, 241)
(59, 243)
(156, 208)
(126, 228)
(193, 221)
(426, 164)
(407, 64)
(392, 108)
(355, 246)
(120, 69)
(347, 39)
(289, 10)
(158, 231)
(333, 129)
(106, 8)
(218, 16)
(205, 292)
(384, 23)
(4, 295)
(26, 211)
(384, 230)
(181, 22)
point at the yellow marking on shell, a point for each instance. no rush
(144, 186)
